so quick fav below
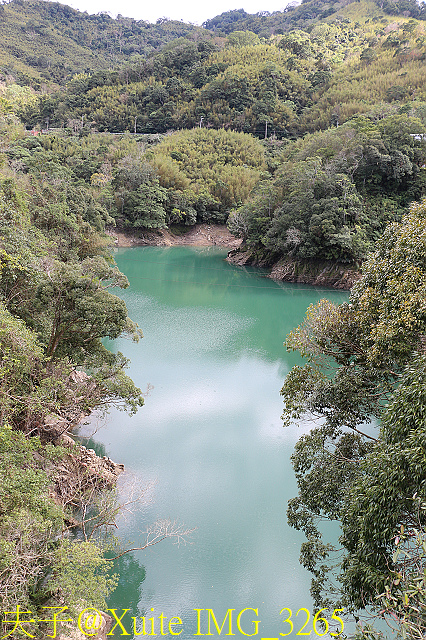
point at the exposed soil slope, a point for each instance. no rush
(201, 235)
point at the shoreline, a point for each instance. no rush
(200, 235)
(323, 273)
(317, 273)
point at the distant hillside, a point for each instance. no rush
(302, 16)
(117, 75)
(354, 61)
(45, 42)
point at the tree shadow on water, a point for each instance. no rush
(127, 594)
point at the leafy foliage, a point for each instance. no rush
(322, 202)
(49, 42)
(365, 360)
(212, 170)
(55, 309)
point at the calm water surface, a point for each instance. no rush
(209, 443)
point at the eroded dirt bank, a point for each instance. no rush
(200, 235)
(314, 272)
(317, 273)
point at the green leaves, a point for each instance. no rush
(144, 208)
(218, 169)
(81, 568)
(365, 359)
(334, 191)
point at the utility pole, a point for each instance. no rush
(136, 117)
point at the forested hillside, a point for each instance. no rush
(305, 131)
(47, 42)
(339, 96)
(283, 86)
(335, 191)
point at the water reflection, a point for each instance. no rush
(127, 594)
(210, 437)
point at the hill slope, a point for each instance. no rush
(353, 61)
(48, 42)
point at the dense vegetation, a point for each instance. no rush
(366, 361)
(306, 130)
(340, 96)
(55, 307)
(300, 16)
(334, 191)
(45, 42)
(284, 86)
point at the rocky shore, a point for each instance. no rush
(318, 273)
(314, 272)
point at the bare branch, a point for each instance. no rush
(160, 530)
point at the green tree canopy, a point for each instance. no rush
(365, 361)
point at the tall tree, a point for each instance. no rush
(365, 362)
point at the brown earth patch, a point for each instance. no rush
(314, 272)
(200, 235)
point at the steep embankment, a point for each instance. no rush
(200, 235)
(314, 272)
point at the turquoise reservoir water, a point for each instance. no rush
(209, 444)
